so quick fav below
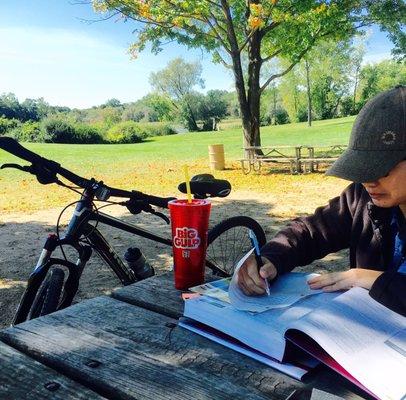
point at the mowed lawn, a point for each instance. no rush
(155, 166)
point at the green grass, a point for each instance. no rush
(155, 166)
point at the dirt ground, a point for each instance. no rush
(22, 237)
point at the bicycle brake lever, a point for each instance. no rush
(149, 209)
(24, 168)
(160, 215)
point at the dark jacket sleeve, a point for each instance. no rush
(307, 239)
(389, 289)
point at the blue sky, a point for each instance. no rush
(47, 50)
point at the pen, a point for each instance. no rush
(258, 258)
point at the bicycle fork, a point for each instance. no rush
(45, 262)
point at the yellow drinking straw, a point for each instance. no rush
(188, 191)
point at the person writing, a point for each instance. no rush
(369, 217)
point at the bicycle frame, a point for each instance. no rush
(79, 226)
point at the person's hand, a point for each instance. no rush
(250, 281)
(344, 280)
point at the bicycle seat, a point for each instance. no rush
(203, 186)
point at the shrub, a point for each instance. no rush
(7, 125)
(281, 116)
(125, 132)
(58, 131)
(266, 119)
(156, 129)
(86, 134)
(302, 114)
(28, 132)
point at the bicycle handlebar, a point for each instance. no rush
(12, 146)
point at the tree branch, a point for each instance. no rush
(214, 3)
(216, 21)
(246, 41)
(232, 38)
(270, 27)
(223, 62)
(273, 55)
(275, 76)
(218, 36)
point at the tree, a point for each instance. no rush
(330, 64)
(293, 98)
(260, 30)
(10, 106)
(177, 81)
(309, 93)
(112, 103)
(161, 107)
(214, 108)
(375, 78)
(357, 58)
(326, 75)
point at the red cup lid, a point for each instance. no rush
(184, 202)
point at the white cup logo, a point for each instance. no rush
(186, 238)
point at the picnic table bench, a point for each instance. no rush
(299, 158)
(129, 346)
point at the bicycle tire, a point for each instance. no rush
(49, 294)
(228, 242)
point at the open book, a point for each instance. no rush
(351, 332)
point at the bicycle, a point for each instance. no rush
(49, 288)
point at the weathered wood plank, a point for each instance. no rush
(157, 294)
(22, 378)
(142, 355)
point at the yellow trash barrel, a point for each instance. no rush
(216, 156)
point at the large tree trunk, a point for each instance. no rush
(249, 104)
(254, 90)
(249, 114)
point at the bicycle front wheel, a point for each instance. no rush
(229, 241)
(49, 294)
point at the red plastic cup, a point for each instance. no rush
(190, 223)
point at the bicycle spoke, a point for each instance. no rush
(230, 242)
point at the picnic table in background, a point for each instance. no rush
(129, 346)
(318, 155)
(282, 154)
(299, 158)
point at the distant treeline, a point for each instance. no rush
(335, 90)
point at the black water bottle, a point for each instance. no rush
(138, 263)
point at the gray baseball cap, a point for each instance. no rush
(378, 139)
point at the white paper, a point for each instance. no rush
(216, 289)
(284, 292)
(261, 331)
(365, 338)
(289, 369)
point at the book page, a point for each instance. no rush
(285, 291)
(292, 370)
(365, 338)
(262, 331)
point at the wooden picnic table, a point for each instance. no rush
(276, 154)
(129, 346)
(299, 158)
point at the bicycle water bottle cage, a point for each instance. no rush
(205, 185)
